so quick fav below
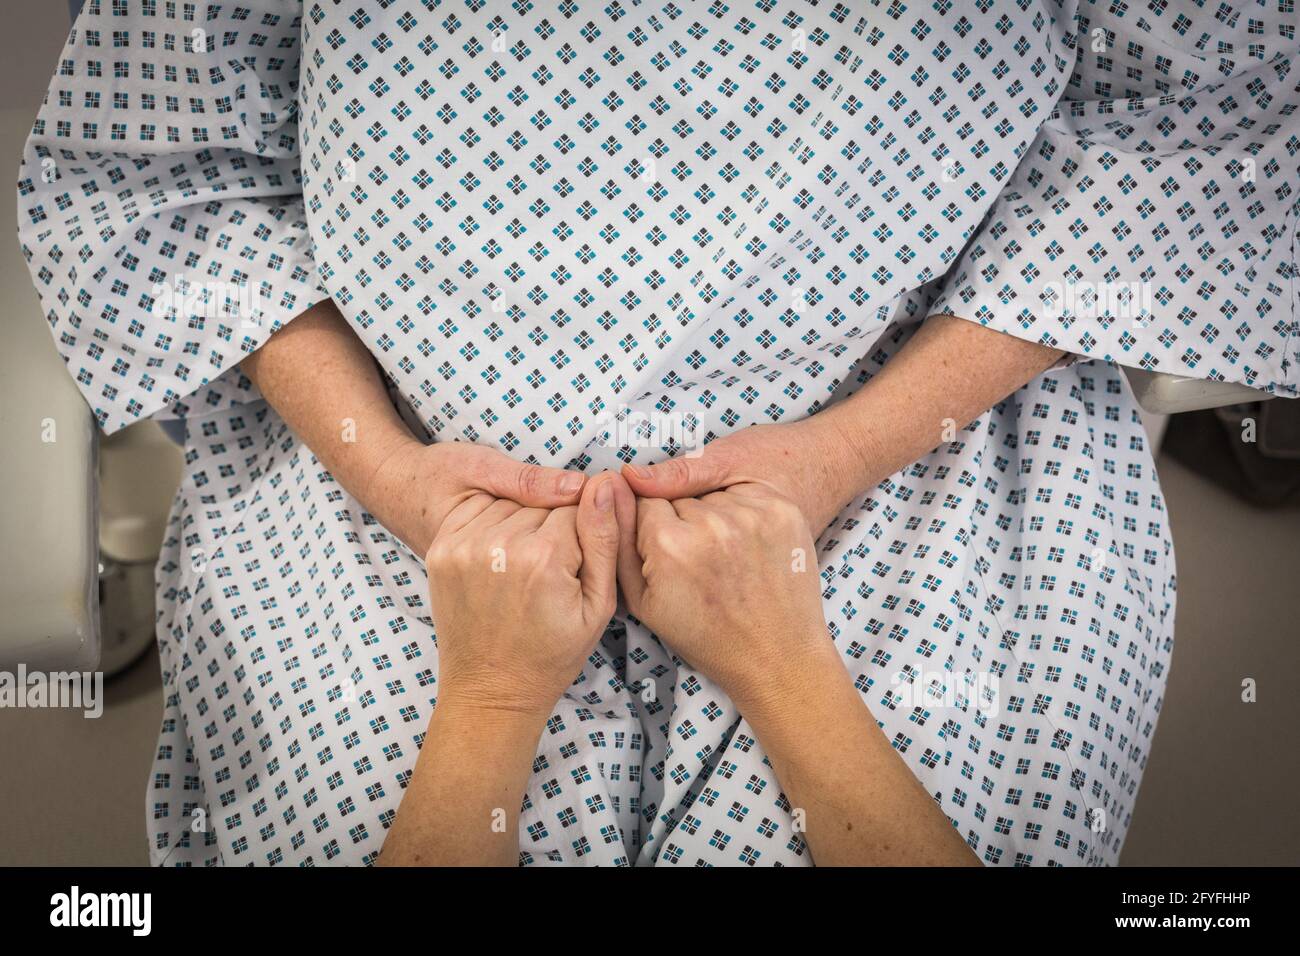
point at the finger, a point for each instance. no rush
(734, 497)
(720, 509)
(686, 508)
(630, 578)
(523, 521)
(752, 492)
(683, 477)
(531, 485)
(561, 527)
(597, 526)
(682, 506)
(498, 511)
(652, 515)
(502, 522)
(560, 523)
(470, 506)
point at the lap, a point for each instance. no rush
(301, 663)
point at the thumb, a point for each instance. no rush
(684, 477)
(598, 537)
(630, 578)
(529, 485)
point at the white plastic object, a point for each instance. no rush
(49, 582)
(1163, 393)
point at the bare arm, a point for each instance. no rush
(317, 374)
(947, 374)
(860, 804)
(950, 371)
(761, 636)
(319, 377)
(462, 805)
(511, 638)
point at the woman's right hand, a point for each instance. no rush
(519, 597)
(416, 486)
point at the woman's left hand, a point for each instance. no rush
(729, 581)
(810, 462)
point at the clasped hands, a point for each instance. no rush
(714, 553)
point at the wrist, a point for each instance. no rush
(393, 470)
(393, 459)
(777, 694)
(490, 720)
(848, 438)
(502, 742)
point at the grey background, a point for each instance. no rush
(1220, 788)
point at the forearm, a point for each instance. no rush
(947, 374)
(316, 373)
(859, 803)
(461, 807)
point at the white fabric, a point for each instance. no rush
(536, 216)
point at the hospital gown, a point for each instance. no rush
(548, 220)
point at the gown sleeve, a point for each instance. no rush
(160, 201)
(1155, 226)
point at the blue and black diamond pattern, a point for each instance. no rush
(538, 215)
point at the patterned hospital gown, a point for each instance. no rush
(539, 216)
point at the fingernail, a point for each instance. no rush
(570, 483)
(605, 495)
(640, 471)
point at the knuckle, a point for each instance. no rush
(541, 557)
(529, 479)
(661, 540)
(543, 552)
(786, 511)
(721, 527)
(695, 547)
(524, 558)
(468, 551)
(675, 469)
(440, 554)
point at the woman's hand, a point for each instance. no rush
(317, 374)
(414, 487)
(730, 582)
(520, 596)
(810, 462)
(946, 375)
